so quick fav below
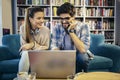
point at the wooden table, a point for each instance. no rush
(51, 79)
(94, 76)
(98, 76)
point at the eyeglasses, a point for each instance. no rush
(66, 18)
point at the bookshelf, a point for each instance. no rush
(23, 4)
(98, 14)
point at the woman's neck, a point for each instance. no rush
(33, 27)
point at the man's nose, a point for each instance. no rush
(64, 21)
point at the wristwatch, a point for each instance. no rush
(71, 31)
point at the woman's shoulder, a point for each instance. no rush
(46, 29)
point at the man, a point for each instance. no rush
(71, 35)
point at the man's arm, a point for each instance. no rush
(81, 39)
(78, 43)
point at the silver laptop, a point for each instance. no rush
(52, 63)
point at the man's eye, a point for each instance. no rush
(66, 18)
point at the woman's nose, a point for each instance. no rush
(41, 20)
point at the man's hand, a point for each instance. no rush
(71, 26)
(72, 23)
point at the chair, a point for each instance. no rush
(107, 56)
(9, 56)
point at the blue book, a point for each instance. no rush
(29, 1)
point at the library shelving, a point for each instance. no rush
(98, 14)
(23, 4)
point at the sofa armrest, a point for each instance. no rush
(5, 54)
(111, 51)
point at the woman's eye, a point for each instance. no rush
(40, 18)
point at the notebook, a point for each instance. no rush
(52, 63)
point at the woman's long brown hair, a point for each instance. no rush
(30, 14)
(27, 27)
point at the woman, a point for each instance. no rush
(34, 36)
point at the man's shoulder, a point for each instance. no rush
(58, 26)
(81, 24)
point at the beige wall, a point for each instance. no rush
(0, 22)
(7, 14)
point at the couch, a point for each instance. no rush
(107, 56)
(9, 56)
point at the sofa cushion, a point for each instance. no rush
(8, 76)
(13, 42)
(5, 54)
(100, 62)
(95, 41)
(9, 66)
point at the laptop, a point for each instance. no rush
(52, 63)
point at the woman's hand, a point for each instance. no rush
(27, 46)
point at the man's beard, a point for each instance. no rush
(65, 24)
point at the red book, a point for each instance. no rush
(100, 3)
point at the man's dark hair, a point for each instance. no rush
(33, 10)
(66, 8)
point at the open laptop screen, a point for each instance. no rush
(52, 63)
